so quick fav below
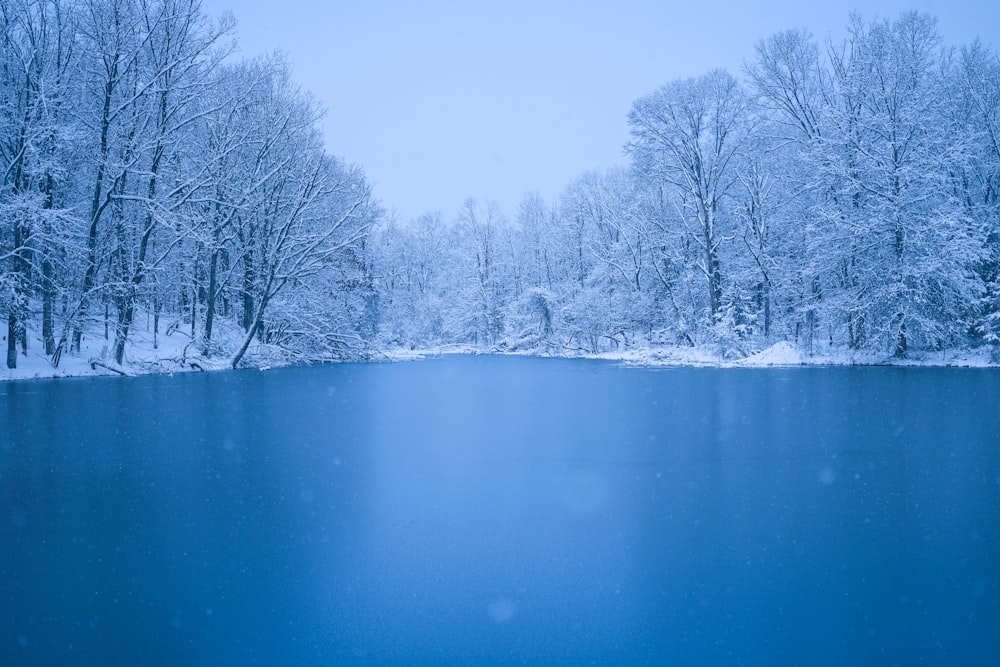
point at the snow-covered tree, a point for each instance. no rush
(37, 61)
(689, 136)
(975, 115)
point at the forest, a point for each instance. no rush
(841, 196)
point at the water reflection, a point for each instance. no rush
(493, 510)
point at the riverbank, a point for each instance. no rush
(173, 351)
(169, 351)
(781, 354)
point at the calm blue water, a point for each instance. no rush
(481, 510)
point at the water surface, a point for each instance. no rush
(485, 510)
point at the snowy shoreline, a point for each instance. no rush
(171, 357)
(782, 354)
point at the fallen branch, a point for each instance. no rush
(176, 327)
(94, 363)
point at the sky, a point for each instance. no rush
(442, 101)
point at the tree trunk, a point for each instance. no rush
(96, 209)
(193, 303)
(210, 304)
(714, 278)
(767, 312)
(48, 283)
(248, 283)
(156, 323)
(255, 326)
(11, 339)
(126, 313)
(48, 305)
(901, 338)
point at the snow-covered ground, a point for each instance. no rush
(175, 352)
(780, 354)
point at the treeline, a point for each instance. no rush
(844, 196)
(141, 169)
(841, 195)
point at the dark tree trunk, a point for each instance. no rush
(48, 282)
(901, 344)
(48, 305)
(210, 304)
(126, 314)
(156, 323)
(11, 339)
(248, 288)
(96, 209)
(767, 312)
(17, 310)
(194, 307)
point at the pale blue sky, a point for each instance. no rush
(440, 101)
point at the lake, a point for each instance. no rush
(497, 510)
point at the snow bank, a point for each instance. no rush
(175, 352)
(172, 352)
(779, 354)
